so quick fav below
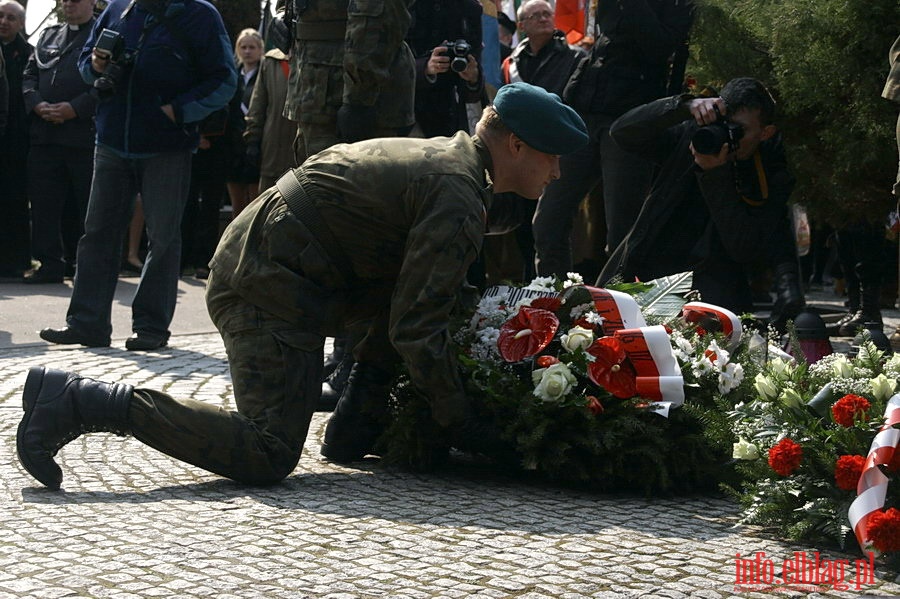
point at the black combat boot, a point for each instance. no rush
(869, 313)
(360, 416)
(337, 371)
(788, 294)
(60, 406)
(852, 315)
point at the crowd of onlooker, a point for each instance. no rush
(638, 201)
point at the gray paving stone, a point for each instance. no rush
(133, 523)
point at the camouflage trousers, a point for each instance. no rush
(276, 371)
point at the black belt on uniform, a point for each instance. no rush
(321, 30)
(291, 188)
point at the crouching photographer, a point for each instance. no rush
(159, 68)
(718, 205)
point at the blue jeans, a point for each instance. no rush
(162, 180)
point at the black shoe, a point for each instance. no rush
(145, 342)
(69, 336)
(60, 406)
(40, 277)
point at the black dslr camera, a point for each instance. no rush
(458, 52)
(111, 44)
(708, 139)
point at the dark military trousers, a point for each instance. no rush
(276, 372)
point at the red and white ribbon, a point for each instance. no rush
(658, 375)
(731, 325)
(619, 310)
(871, 489)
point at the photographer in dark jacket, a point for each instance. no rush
(713, 213)
(62, 106)
(448, 76)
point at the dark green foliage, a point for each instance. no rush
(825, 62)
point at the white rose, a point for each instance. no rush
(744, 450)
(791, 398)
(577, 338)
(765, 387)
(883, 387)
(781, 369)
(842, 368)
(552, 382)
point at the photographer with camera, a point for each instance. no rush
(160, 67)
(719, 201)
(446, 40)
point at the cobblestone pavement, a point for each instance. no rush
(131, 522)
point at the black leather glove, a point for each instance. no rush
(355, 123)
(475, 435)
(251, 155)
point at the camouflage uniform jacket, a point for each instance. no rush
(362, 60)
(409, 215)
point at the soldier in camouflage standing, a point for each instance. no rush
(352, 75)
(382, 230)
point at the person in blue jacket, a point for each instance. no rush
(159, 67)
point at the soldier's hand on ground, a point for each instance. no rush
(355, 123)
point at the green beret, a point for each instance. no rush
(540, 119)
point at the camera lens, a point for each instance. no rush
(709, 139)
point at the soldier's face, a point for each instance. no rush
(535, 170)
(11, 21)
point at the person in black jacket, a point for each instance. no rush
(713, 213)
(62, 106)
(628, 66)
(14, 250)
(442, 92)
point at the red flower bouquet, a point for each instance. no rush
(785, 457)
(884, 530)
(848, 408)
(847, 471)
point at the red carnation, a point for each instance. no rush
(526, 333)
(551, 304)
(884, 530)
(594, 405)
(847, 471)
(611, 368)
(848, 408)
(785, 457)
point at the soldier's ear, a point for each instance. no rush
(767, 132)
(515, 144)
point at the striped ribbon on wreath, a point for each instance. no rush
(871, 489)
